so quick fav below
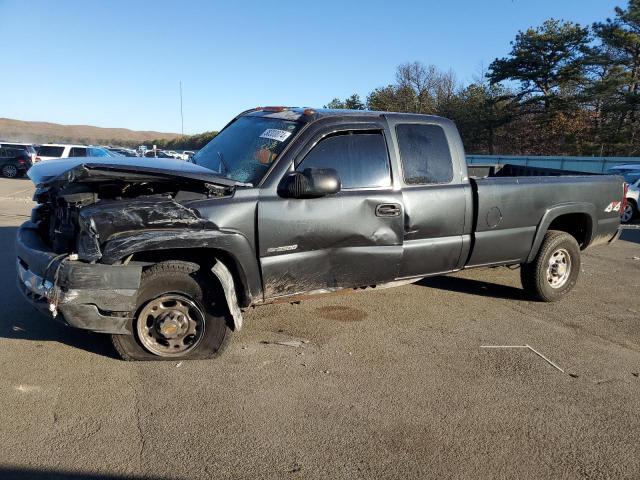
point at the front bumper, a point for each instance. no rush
(96, 297)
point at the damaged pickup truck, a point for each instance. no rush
(165, 255)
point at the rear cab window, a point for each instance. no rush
(424, 154)
(360, 158)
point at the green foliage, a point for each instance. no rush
(615, 89)
(351, 103)
(545, 60)
(187, 142)
(481, 110)
(564, 89)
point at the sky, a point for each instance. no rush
(118, 63)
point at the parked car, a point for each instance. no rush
(631, 210)
(24, 146)
(284, 203)
(157, 154)
(631, 174)
(125, 152)
(14, 162)
(52, 151)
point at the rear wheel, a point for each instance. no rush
(554, 271)
(179, 316)
(9, 171)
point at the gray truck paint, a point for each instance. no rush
(278, 248)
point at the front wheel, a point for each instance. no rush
(180, 315)
(554, 271)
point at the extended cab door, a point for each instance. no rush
(349, 239)
(436, 196)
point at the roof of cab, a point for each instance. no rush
(311, 114)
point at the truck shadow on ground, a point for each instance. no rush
(475, 287)
(10, 473)
(22, 322)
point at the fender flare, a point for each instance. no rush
(556, 211)
(235, 245)
(225, 277)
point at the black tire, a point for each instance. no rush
(10, 171)
(634, 211)
(183, 279)
(539, 276)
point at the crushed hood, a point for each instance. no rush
(87, 169)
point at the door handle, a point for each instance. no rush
(388, 210)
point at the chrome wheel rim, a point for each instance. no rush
(628, 213)
(170, 325)
(559, 268)
(9, 171)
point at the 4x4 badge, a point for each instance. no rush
(613, 207)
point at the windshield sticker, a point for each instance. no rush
(275, 134)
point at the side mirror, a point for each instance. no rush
(310, 183)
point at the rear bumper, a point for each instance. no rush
(96, 297)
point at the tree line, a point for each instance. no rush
(563, 89)
(184, 142)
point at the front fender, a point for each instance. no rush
(234, 244)
(554, 212)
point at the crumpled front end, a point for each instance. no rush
(96, 297)
(70, 259)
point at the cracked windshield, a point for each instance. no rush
(245, 149)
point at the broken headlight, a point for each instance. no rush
(88, 242)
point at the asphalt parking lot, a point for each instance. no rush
(391, 384)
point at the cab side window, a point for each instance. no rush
(360, 158)
(425, 154)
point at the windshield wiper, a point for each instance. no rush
(222, 163)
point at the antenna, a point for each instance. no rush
(181, 114)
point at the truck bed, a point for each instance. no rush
(509, 211)
(511, 170)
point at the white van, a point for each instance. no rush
(52, 151)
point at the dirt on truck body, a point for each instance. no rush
(164, 255)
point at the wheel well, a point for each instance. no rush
(578, 225)
(205, 257)
(633, 202)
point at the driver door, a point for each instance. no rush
(349, 239)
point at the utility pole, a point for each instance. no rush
(181, 114)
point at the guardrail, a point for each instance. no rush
(576, 164)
